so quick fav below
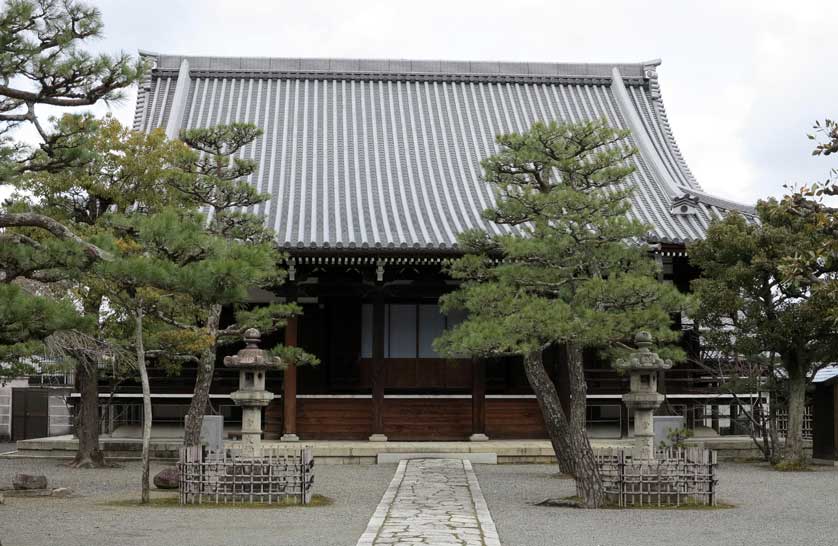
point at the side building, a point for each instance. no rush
(373, 167)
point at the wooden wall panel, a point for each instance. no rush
(334, 418)
(427, 419)
(406, 374)
(514, 418)
(272, 427)
(408, 419)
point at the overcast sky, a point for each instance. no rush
(742, 81)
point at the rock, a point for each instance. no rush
(29, 481)
(2, 499)
(168, 478)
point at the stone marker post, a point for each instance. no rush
(253, 364)
(643, 366)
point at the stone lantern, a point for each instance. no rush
(253, 364)
(643, 366)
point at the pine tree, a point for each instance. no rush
(42, 65)
(216, 180)
(574, 271)
(123, 170)
(169, 269)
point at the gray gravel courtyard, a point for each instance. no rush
(83, 521)
(771, 509)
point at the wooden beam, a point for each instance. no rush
(377, 376)
(289, 388)
(478, 401)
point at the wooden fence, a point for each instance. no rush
(230, 476)
(677, 476)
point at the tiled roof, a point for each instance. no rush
(386, 154)
(826, 373)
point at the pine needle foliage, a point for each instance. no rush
(574, 265)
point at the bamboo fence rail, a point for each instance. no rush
(676, 476)
(235, 476)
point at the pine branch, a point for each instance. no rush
(31, 219)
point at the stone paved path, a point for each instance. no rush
(432, 502)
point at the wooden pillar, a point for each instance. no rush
(289, 388)
(834, 422)
(692, 409)
(624, 420)
(478, 401)
(377, 376)
(714, 416)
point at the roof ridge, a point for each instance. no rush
(396, 66)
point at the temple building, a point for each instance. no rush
(373, 168)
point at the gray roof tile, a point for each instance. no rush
(394, 162)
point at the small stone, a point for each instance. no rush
(29, 481)
(168, 478)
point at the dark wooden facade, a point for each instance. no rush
(359, 390)
(825, 420)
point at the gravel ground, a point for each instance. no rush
(772, 508)
(5, 447)
(83, 521)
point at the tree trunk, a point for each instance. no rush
(203, 382)
(589, 487)
(147, 416)
(551, 409)
(793, 452)
(87, 420)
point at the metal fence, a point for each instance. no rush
(234, 476)
(676, 477)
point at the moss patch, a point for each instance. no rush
(684, 506)
(574, 502)
(787, 466)
(173, 502)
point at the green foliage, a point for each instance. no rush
(42, 64)
(677, 438)
(813, 206)
(215, 177)
(113, 169)
(295, 355)
(116, 169)
(576, 268)
(748, 306)
(768, 293)
(25, 320)
(268, 318)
